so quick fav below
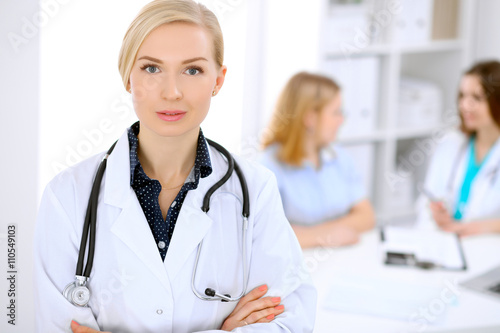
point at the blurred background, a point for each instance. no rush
(398, 63)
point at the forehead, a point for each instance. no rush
(176, 42)
(471, 83)
(334, 103)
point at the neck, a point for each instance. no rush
(488, 136)
(311, 151)
(167, 159)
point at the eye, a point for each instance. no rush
(151, 69)
(477, 98)
(193, 71)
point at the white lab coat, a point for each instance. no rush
(132, 290)
(446, 174)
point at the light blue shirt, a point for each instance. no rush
(312, 196)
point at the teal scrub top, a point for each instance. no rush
(472, 170)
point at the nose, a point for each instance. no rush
(171, 89)
(465, 104)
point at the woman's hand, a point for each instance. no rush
(77, 328)
(474, 228)
(447, 223)
(440, 215)
(254, 308)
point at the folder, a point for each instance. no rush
(427, 249)
(413, 24)
(359, 80)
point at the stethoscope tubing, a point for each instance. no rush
(90, 220)
(90, 226)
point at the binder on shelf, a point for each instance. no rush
(359, 81)
(426, 249)
(445, 19)
(420, 103)
(344, 24)
(413, 25)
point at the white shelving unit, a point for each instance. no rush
(437, 61)
(306, 37)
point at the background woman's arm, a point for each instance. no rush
(339, 232)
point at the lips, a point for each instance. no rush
(171, 115)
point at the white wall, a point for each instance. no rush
(19, 83)
(487, 32)
(84, 106)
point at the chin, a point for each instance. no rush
(471, 126)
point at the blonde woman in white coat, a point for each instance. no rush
(149, 220)
(464, 177)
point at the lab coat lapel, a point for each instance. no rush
(482, 183)
(193, 224)
(117, 175)
(131, 225)
(133, 230)
(191, 227)
(492, 163)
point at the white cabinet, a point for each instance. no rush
(361, 44)
(400, 58)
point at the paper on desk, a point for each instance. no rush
(441, 248)
(385, 298)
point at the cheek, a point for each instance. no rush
(144, 87)
(484, 111)
(199, 99)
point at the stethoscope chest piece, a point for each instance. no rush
(77, 292)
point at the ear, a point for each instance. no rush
(310, 119)
(221, 76)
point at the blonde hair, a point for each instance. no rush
(159, 12)
(303, 92)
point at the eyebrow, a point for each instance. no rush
(187, 61)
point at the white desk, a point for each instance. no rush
(470, 310)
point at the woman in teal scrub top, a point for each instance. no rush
(323, 195)
(464, 172)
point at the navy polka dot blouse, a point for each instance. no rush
(148, 190)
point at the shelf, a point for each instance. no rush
(387, 49)
(409, 133)
(381, 49)
(433, 46)
(375, 136)
(396, 134)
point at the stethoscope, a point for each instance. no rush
(78, 293)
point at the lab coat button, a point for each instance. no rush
(161, 244)
(159, 311)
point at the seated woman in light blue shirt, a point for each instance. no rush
(323, 195)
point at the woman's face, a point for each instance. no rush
(329, 121)
(173, 78)
(473, 104)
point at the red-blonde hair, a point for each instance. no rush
(303, 92)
